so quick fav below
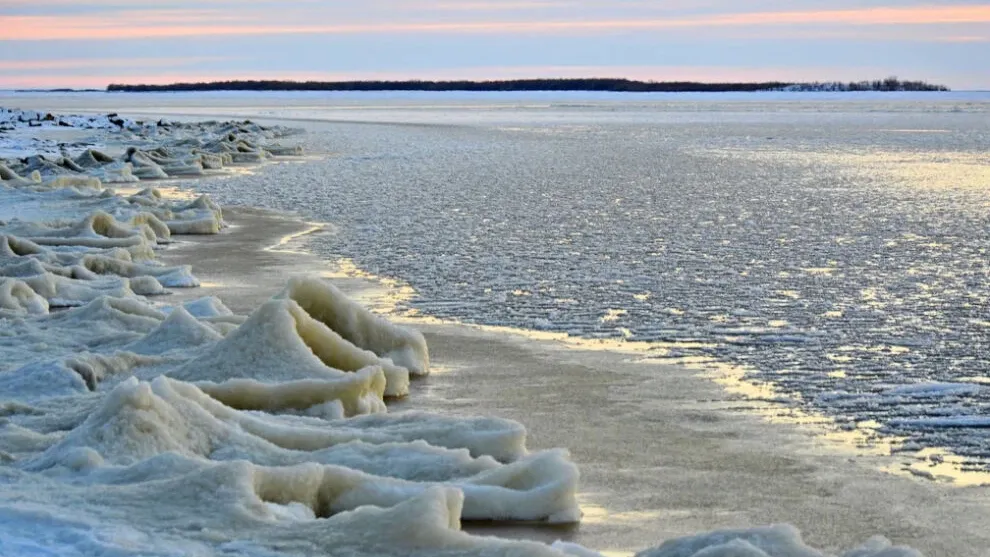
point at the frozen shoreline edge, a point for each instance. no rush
(234, 232)
(297, 229)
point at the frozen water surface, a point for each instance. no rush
(832, 245)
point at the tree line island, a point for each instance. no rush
(890, 84)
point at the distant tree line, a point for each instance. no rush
(889, 84)
(578, 84)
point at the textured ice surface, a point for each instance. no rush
(138, 429)
(66, 240)
(822, 247)
(774, 541)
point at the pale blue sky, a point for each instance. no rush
(50, 43)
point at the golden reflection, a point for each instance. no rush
(171, 191)
(940, 465)
(597, 514)
(933, 169)
(283, 244)
(390, 295)
(862, 438)
(612, 315)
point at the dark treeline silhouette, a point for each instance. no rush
(580, 84)
(889, 84)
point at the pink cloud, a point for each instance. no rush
(96, 63)
(145, 24)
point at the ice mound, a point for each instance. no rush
(117, 172)
(501, 439)
(140, 420)
(130, 425)
(374, 450)
(207, 307)
(91, 158)
(179, 331)
(540, 493)
(176, 277)
(69, 181)
(95, 368)
(29, 267)
(97, 230)
(111, 314)
(504, 440)
(425, 525)
(67, 292)
(40, 380)
(49, 166)
(164, 149)
(18, 297)
(199, 216)
(12, 246)
(75, 263)
(281, 342)
(770, 541)
(346, 395)
(12, 179)
(326, 303)
(104, 325)
(235, 508)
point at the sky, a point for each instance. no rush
(91, 43)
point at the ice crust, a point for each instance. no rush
(771, 541)
(131, 427)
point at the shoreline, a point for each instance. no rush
(664, 451)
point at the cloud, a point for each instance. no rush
(488, 6)
(215, 23)
(39, 66)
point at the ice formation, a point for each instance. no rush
(69, 240)
(400, 345)
(771, 541)
(132, 427)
